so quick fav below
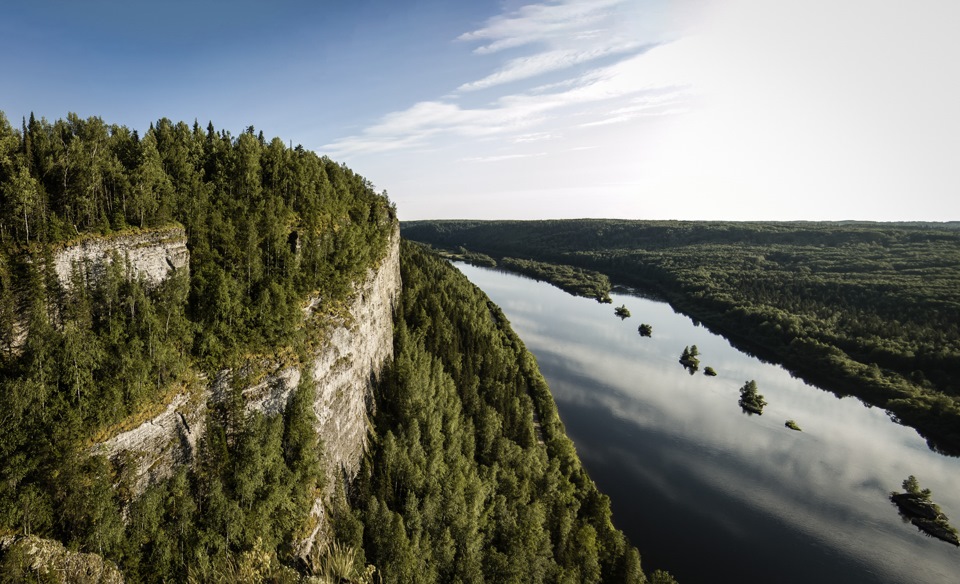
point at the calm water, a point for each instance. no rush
(706, 491)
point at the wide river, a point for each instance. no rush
(706, 491)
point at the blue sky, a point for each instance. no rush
(691, 109)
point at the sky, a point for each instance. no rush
(638, 109)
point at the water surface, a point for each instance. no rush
(711, 493)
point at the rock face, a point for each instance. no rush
(345, 371)
(352, 359)
(152, 254)
(45, 560)
(344, 368)
(158, 446)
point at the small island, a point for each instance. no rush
(750, 400)
(709, 371)
(622, 311)
(645, 330)
(689, 359)
(792, 425)
(915, 505)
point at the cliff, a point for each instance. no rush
(152, 254)
(344, 365)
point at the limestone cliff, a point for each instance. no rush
(354, 348)
(152, 254)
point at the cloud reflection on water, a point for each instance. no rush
(638, 417)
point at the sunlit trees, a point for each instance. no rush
(750, 399)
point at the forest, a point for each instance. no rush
(473, 478)
(267, 226)
(470, 476)
(864, 309)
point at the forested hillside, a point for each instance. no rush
(267, 227)
(470, 478)
(866, 309)
(473, 478)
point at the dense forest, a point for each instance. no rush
(470, 477)
(867, 309)
(473, 478)
(267, 227)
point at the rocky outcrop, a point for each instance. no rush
(926, 515)
(152, 451)
(344, 366)
(352, 358)
(152, 254)
(45, 560)
(345, 371)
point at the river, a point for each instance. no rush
(706, 491)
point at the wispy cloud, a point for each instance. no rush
(501, 157)
(535, 137)
(643, 77)
(612, 77)
(540, 22)
(546, 62)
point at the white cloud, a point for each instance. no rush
(540, 22)
(620, 86)
(546, 62)
(535, 137)
(501, 157)
(596, 40)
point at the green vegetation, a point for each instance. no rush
(709, 371)
(268, 226)
(867, 309)
(916, 505)
(750, 399)
(462, 254)
(645, 330)
(622, 311)
(689, 359)
(472, 477)
(792, 425)
(576, 281)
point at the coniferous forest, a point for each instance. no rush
(469, 478)
(267, 226)
(473, 478)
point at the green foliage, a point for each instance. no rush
(268, 226)
(912, 485)
(336, 563)
(709, 371)
(750, 399)
(622, 311)
(868, 309)
(645, 330)
(689, 359)
(916, 506)
(576, 281)
(472, 477)
(792, 425)
(662, 577)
